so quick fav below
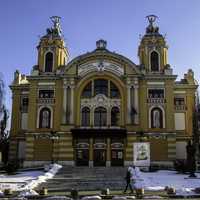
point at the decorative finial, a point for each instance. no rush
(151, 29)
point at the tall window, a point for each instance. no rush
(87, 92)
(156, 118)
(114, 92)
(85, 116)
(24, 104)
(45, 118)
(100, 116)
(101, 87)
(154, 61)
(115, 116)
(49, 62)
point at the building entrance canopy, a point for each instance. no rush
(100, 132)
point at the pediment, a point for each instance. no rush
(98, 62)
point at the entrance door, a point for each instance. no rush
(99, 157)
(82, 157)
(117, 157)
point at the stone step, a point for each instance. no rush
(85, 178)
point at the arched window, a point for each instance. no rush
(154, 61)
(49, 62)
(114, 92)
(156, 118)
(85, 116)
(100, 116)
(45, 118)
(101, 87)
(87, 92)
(115, 116)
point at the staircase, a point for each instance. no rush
(86, 179)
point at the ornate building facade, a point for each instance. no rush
(91, 110)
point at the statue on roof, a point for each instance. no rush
(55, 30)
(152, 29)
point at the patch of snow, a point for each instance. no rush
(94, 197)
(1, 194)
(58, 198)
(155, 181)
(25, 193)
(42, 178)
(26, 181)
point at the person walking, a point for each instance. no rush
(128, 180)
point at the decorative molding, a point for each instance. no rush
(155, 83)
(100, 67)
(100, 100)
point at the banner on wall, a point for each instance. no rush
(141, 151)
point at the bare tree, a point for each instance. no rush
(3, 111)
(4, 141)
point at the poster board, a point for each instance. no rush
(141, 151)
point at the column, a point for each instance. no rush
(64, 105)
(91, 153)
(136, 104)
(128, 104)
(72, 105)
(108, 153)
(108, 116)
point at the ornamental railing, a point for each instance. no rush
(180, 107)
(46, 100)
(156, 100)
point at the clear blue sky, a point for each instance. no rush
(84, 21)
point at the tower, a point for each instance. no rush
(152, 50)
(52, 52)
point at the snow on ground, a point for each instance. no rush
(155, 181)
(24, 181)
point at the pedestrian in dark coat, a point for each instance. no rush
(128, 180)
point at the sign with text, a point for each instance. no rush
(141, 151)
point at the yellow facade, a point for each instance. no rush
(93, 109)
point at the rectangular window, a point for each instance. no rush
(156, 93)
(24, 104)
(179, 101)
(46, 93)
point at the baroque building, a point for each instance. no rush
(93, 109)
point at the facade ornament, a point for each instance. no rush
(100, 100)
(100, 66)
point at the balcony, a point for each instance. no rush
(156, 100)
(46, 100)
(180, 107)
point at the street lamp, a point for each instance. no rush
(53, 137)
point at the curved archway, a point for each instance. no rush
(154, 60)
(85, 116)
(100, 116)
(49, 62)
(45, 118)
(115, 115)
(157, 118)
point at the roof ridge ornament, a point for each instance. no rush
(152, 29)
(101, 44)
